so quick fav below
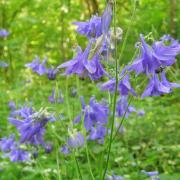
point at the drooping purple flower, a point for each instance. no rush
(95, 68)
(31, 125)
(76, 140)
(4, 33)
(124, 86)
(37, 67)
(155, 56)
(23, 112)
(48, 147)
(95, 113)
(51, 73)
(95, 116)
(76, 66)
(165, 55)
(170, 41)
(65, 150)
(31, 132)
(6, 144)
(91, 28)
(157, 87)
(84, 67)
(3, 64)
(19, 155)
(122, 108)
(145, 63)
(97, 132)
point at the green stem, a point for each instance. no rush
(89, 163)
(77, 167)
(117, 60)
(115, 95)
(57, 161)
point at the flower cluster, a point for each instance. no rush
(31, 127)
(87, 63)
(153, 60)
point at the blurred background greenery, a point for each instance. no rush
(44, 28)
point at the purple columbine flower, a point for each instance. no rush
(3, 64)
(65, 150)
(124, 86)
(84, 67)
(48, 148)
(38, 67)
(122, 108)
(4, 33)
(31, 125)
(51, 73)
(91, 28)
(159, 55)
(7, 144)
(95, 116)
(97, 132)
(165, 55)
(145, 63)
(19, 155)
(171, 42)
(157, 87)
(95, 113)
(76, 140)
(96, 26)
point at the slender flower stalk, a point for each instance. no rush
(115, 93)
(89, 163)
(77, 166)
(117, 60)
